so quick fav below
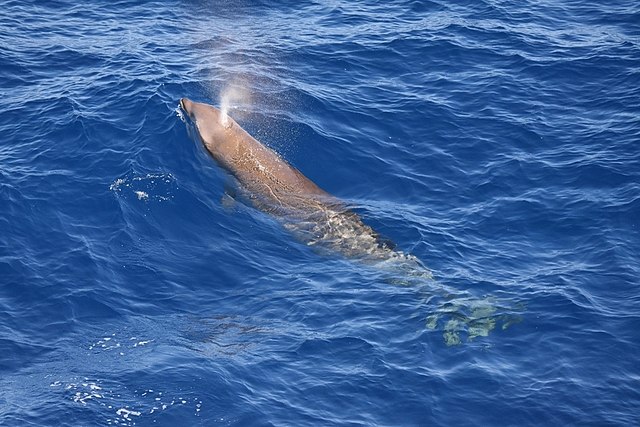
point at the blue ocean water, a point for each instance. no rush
(497, 141)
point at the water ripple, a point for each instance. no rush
(495, 141)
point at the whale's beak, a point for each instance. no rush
(186, 105)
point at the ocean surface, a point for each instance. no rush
(496, 141)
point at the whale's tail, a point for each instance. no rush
(465, 318)
(459, 315)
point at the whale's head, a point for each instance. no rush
(213, 126)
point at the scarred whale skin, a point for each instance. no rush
(276, 187)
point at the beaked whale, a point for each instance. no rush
(320, 219)
(276, 187)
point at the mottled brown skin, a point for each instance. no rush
(277, 187)
(273, 183)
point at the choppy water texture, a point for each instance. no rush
(496, 141)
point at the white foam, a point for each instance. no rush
(180, 114)
(157, 187)
(142, 195)
(125, 413)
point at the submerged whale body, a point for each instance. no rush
(276, 187)
(317, 218)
